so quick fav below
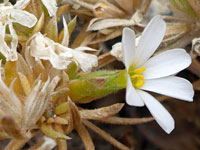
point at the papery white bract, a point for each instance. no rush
(154, 74)
(61, 56)
(10, 14)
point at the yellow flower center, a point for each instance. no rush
(136, 77)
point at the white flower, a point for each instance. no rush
(154, 74)
(10, 14)
(117, 51)
(61, 56)
(51, 6)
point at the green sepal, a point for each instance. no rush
(61, 108)
(87, 88)
(72, 70)
(71, 25)
(49, 131)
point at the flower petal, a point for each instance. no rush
(44, 48)
(171, 86)
(161, 115)
(4, 49)
(14, 42)
(132, 97)
(86, 61)
(21, 4)
(23, 17)
(128, 46)
(166, 63)
(61, 56)
(51, 6)
(117, 51)
(150, 40)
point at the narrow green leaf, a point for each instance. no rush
(49, 131)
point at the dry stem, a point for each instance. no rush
(105, 135)
(126, 121)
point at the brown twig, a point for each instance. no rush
(126, 121)
(85, 137)
(105, 135)
(80, 128)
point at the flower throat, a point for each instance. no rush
(136, 77)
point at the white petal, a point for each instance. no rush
(128, 46)
(65, 40)
(14, 42)
(23, 17)
(150, 40)
(86, 61)
(51, 6)
(171, 86)
(132, 97)
(161, 115)
(166, 63)
(117, 51)
(9, 53)
(4, 49)
(44, 48)
(59, 63)
(21, 4)
(60, 56)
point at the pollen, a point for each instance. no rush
(139, 70)
(139, 83)
(136, 77)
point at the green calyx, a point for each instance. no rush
(87, 88)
